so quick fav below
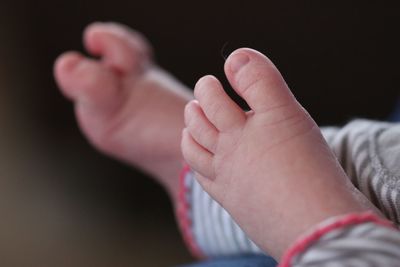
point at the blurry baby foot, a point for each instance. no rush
(126, 106)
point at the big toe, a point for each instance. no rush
(256, 79)
(120, 47)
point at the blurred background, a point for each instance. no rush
(64, 204)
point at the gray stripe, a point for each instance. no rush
(390, 203)
(363, 172)
(358, 150)
(357, 158)
(364, 180)
(337, 144)
(362, 230)
(376, 189)
(378, 252)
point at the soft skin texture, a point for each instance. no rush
(131, 109)
(269, 167)
(125, 104)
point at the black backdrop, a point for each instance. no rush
(340, 58)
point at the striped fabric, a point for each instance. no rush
(369, 152)
(357, 245)
(214, 230)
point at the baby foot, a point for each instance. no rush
(269, 167)
(126, 106)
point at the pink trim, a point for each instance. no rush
(184, 221)
(355, 218)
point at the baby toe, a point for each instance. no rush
(120, 47)
(84, 80)
(199, 158)
(201, 129)
(218, 107)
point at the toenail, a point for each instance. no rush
(238, 60)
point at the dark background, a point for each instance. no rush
(64, 204)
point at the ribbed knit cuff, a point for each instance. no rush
(304, 242)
